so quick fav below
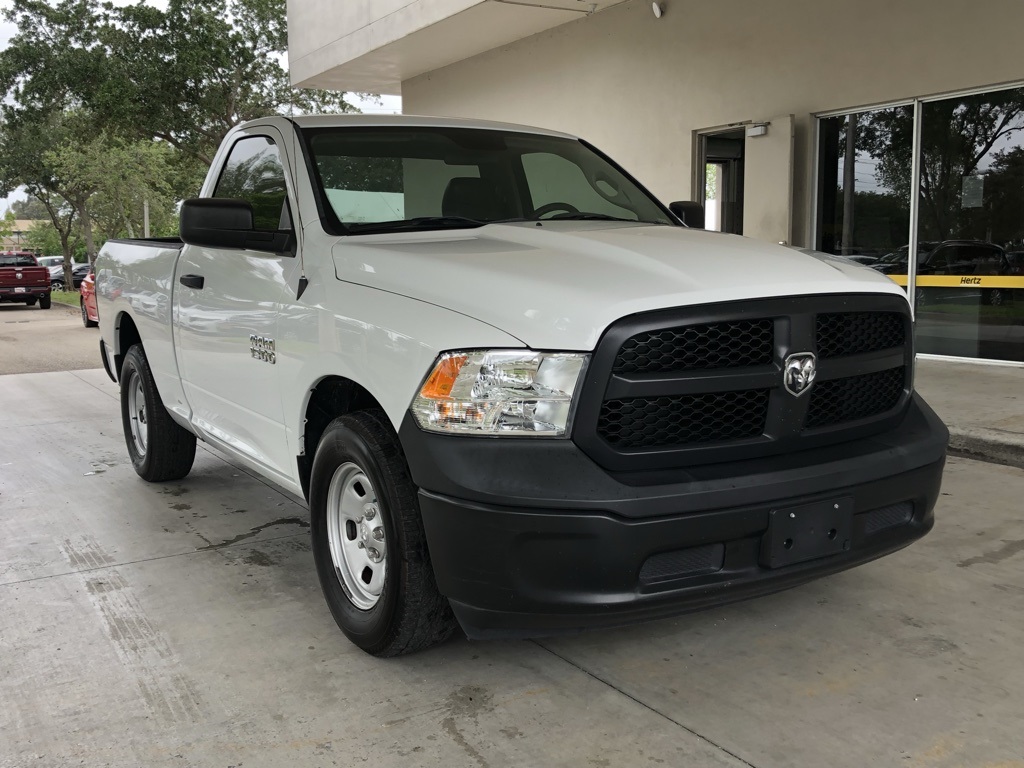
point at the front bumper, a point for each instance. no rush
(530, 537)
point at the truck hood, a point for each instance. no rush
(561, 284)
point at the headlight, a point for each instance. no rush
(500, 392)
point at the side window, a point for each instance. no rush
(253, 172)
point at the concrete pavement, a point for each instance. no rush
(33, 340)
(983, 406)
(181, 624)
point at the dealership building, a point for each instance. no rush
(890, 132)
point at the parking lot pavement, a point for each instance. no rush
(181, 624)
(33, 340)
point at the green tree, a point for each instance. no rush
(185, 75)
(26, 146)
(29, 209)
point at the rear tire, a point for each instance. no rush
(85, 316)
(30, 302)
(44, 302)
(57, 285)
(368, 540)
(160, 449)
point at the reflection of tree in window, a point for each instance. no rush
(258, 180)
(361, 174)
(957, 137)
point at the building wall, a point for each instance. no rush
(638, 87)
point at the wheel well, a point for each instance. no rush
(127, 336)
(331, 397)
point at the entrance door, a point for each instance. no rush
(723, 181)
(746, 174)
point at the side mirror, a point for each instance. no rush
(689, 212)
(216, 222)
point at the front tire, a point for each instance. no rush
(160, 449)
(368, 540)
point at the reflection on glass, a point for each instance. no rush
(970, 286)
(864, 206)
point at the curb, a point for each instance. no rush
(990, 445)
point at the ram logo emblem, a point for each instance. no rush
(799, 372)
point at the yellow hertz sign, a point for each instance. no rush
(962, 281)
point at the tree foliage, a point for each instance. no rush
(107, 106)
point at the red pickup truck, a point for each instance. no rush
(22, 279)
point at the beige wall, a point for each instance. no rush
(638, 87)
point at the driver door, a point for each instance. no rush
(227, 304)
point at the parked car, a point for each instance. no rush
(23, 280)
(87, 292)
(966, 258)
(78, 273)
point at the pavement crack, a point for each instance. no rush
(257, 530)
(645, 705)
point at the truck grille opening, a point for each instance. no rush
(699, 347)
(854, 398)
(666, 421)
(705, 384)
(693, 561)
(888, 517)
(852, 333)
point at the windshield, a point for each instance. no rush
(387, 178)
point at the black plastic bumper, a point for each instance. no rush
(530, 537)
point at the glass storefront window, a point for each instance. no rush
(970, 283)
(864, 206)
(969, 290)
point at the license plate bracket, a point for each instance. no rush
(807, 532)
(21, 290)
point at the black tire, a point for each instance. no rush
(85, 316)
(995, 298)
(30, 302)
(44, 302)
(409, 614)
(165, 451)
(57, 285)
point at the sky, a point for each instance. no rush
(385, 105)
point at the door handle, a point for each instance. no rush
(192, 281)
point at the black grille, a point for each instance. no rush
(853, 333)
(699, 347)
(696, 386)
(659, 422)
(888, 517)
(853, 398)
(683, 562)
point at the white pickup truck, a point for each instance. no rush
(517, 392)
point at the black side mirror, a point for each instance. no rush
(224, 223)
(689, 212)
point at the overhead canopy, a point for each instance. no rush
(373, 45)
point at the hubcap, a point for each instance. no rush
(356, 536)
(137, 413)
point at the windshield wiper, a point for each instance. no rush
(420, 222)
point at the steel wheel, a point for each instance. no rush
(356, 536)
(137, 413)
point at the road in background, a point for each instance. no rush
(34, 340)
